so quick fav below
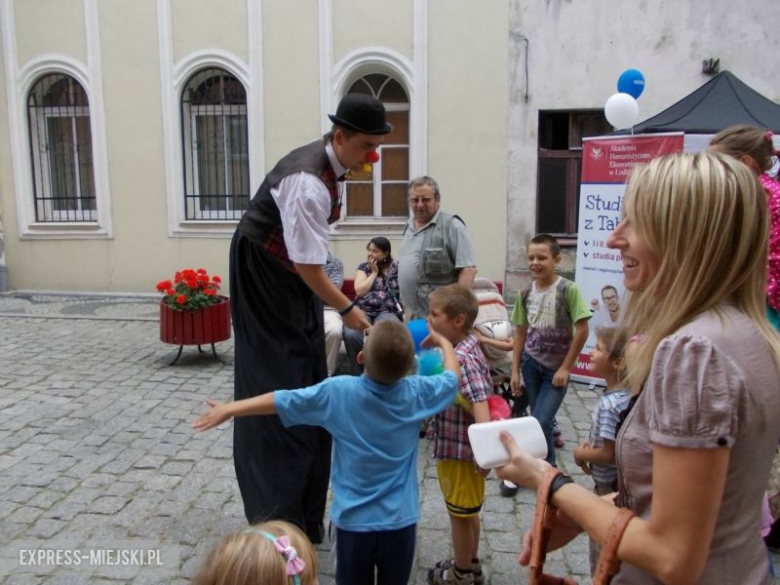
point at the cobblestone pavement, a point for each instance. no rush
(97, 456)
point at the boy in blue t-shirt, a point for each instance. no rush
(375, 421)
(551, 327)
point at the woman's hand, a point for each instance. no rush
(564, 530)
(373, 264)
(525, 551)
(522, 469)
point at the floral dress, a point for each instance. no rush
(383, 296)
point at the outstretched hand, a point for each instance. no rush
(522, 469)
(215, 416)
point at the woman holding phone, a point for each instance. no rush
(376, 294)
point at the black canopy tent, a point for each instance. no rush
(721, 102)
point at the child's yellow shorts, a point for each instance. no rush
(462, 485)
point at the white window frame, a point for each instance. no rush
(41, 162)
(99, 225)
(349, 69)
(192, 113)
(378, 181)
(178, 75)
(19, 80)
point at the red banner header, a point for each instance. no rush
(610, 160)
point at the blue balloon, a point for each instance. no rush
(430, 362)
(632, 82)
(419, 330)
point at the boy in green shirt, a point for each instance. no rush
(551, 327)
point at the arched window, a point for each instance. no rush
(214, 142)
(61, 150)
(382, 193)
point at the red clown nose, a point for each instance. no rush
(373, 157)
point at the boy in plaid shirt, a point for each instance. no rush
(453, 310)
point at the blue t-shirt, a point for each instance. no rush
(375, 430)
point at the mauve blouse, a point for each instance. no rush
(713, 384)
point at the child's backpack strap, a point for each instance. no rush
(524, 294)
(562, 316)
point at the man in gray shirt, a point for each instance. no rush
(436, 249)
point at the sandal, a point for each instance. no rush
(441, 576)
(479, 576)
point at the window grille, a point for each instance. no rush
(61, 151)
(382, 192)
(214, 141)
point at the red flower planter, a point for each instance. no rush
(208, 325)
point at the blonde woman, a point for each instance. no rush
(694, 452)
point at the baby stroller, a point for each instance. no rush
(493, 322)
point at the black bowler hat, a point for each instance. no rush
(361, 113)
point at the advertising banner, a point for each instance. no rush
(606, 164)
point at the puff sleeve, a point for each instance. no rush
(695, 394)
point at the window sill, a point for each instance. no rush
(345, 229)
(367, 227)
(205, 229)
(64, 231)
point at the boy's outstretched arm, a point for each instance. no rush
(219, 413)
(434, 339)
(561, 377)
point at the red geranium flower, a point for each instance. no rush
(190, 290)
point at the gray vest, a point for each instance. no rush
(437, 260)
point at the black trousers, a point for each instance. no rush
(283, 473)
(383, 557)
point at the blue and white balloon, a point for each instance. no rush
(632, 82)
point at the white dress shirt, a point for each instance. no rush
(304, 204)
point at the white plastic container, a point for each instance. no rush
(490, 452)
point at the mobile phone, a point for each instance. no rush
(490, 452)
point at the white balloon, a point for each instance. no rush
(621, 110)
